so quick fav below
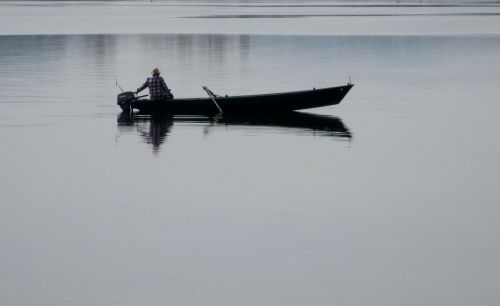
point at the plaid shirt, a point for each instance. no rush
(157, 87)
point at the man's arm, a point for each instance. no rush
(142, 87)
(163, 85)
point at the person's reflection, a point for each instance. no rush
(153, 129)
(159, 128)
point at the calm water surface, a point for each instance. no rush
(390, 198)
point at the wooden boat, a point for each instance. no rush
(263, 103)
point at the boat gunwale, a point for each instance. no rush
(350, 85)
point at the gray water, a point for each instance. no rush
(389, 198)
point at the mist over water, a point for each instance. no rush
(249, 17)
(389, 198)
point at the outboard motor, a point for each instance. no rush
(125, 99)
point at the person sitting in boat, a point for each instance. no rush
(158, 89)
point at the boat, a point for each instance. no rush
(262, 103)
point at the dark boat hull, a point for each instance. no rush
(278, 102)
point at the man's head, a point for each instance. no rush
(155, 71)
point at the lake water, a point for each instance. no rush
(390, 198)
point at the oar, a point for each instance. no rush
(212, 96)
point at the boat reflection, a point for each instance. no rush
(154, 129)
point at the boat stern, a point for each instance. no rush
(125, 99)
